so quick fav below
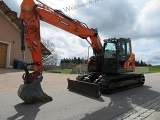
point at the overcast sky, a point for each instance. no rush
(135, 19)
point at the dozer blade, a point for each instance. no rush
(85, 88)
(32, 93)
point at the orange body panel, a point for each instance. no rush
(130, 63)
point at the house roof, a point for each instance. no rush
(12, 17)
(45, 51)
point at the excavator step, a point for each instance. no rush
(85, 88)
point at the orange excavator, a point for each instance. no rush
(107, 69)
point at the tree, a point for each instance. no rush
(74, 60)
(49, 59)
(141, 63)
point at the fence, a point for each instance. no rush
(50, 67)
(79, 69)
(82, 68)
(75, 68)
(142, 70)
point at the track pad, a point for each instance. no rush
(31, 93)
(85, 88)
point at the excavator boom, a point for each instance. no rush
(30, 16)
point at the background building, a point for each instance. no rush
(10, 41)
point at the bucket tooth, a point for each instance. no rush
(85, 88)
(32, 93)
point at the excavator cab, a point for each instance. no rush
(118, 56)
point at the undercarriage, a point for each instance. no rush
(95, 84)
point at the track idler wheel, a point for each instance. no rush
(32, 93)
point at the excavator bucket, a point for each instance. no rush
(32, 93)
(85, 88)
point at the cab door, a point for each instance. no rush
(118, 57)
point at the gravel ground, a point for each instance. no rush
(11, 79)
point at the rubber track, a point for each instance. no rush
(121, 82)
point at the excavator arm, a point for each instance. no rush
(30, 16)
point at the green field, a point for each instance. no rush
(64, 71)
(153, 69)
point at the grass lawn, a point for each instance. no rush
(64, 71)
(153, 69)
